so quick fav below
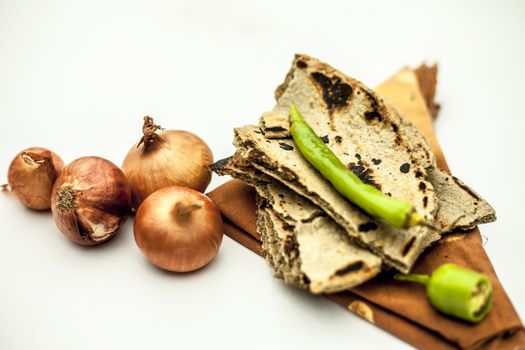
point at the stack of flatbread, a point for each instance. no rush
(312, 236)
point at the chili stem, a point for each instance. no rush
(413, 278)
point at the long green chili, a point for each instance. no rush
(456, 291)
(396, 212)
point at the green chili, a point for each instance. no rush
(456, 291)
(396, 212)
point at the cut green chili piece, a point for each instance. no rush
(456, 291)
(396, 212)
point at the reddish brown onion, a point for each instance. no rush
(178, 229)
(32, 174)
(90, 200)
(165, 158)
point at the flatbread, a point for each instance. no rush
(328, 259)
(280, 160)
(367, 134)
(306, 248)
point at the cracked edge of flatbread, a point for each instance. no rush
(460, 207)
(328, 258)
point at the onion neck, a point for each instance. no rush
(42, 162)
(37, 159)
(183, 209)
(149, 131)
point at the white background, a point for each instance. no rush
(77, 77)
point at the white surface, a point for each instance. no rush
(77, 77)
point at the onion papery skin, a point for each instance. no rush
(32, 174)
(174, 242)
(91, 200)
(174, 158)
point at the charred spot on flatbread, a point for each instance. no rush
(285, 146)
(395, 127)
(404, 168)
(367, 226)
(408, 246)
(301, 64)
(222, 163)
(373, 115)
(352, 267)
(276, 129)
(275, 125)
(363, 172)
(335, 92)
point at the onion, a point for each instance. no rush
(32, 174)
(178, 229)
(166, 158)
(90, 200)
